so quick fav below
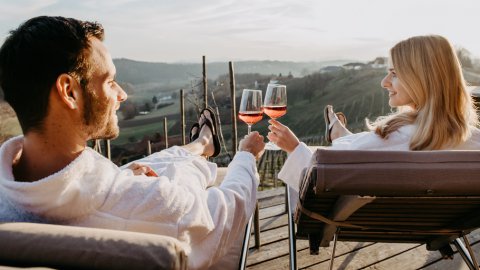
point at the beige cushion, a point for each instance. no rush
(30, 244)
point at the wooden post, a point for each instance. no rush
(205, 100)
(165, 131)
(182, 115)
(234, 108)
(97, 146)
(256, 225)
(108, 152)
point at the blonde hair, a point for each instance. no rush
(431, 74)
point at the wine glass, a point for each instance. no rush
(251, 107)
(275, 106)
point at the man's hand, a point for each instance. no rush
(253, 143)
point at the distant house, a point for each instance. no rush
(329, 69)
(354, 66)
(164, 99)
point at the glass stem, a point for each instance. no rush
(249, 129)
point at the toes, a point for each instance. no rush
(331, 114)
(201, 120)
(207, 115)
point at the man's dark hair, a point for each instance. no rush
(34, 55)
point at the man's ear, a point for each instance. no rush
(68, 90)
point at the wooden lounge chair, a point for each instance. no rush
(430, 197)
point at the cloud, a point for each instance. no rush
(22, 8)
(170, 30)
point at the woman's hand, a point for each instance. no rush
(139, 169)
(282, 136)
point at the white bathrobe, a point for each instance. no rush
(399, 140)
(93, 192)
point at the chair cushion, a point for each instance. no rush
(68, 247)
(414, 173)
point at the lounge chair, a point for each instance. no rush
(429, 197)
(68, 247)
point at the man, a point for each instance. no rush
(60, 79)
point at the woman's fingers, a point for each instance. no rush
(282, 136)
(277, 127)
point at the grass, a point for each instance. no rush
(9, 126)
(137, 133)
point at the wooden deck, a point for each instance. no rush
(273, 253)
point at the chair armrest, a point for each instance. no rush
(69, 247)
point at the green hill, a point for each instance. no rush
(357, 93)
(178, 74)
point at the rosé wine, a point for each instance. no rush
(275, 111)
(250, 118)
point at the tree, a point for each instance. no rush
(147, 107)
(128, 109)
(465, 57)
(154, 100)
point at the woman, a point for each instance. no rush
(434, 111)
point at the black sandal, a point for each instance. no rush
(194, 134)
(212, 124)
(329, 125)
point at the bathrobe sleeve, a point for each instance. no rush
(205, 220)
(296, 162)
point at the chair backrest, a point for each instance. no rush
(427, 197)
(68, 247)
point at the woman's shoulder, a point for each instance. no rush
(369, 140)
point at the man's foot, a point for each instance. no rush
(335, 124)
(208, 133)
(194, 132)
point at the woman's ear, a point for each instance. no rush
(67, 89)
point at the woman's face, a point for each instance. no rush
(397, 94)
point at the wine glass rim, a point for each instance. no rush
(276, 84)
(252, 90)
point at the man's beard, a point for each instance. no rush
(98, 117)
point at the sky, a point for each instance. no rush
(233, 30)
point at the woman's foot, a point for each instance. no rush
(335, 124)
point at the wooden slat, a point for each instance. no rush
(421, 258)
(271, 211)
(270, 193)
(271, 201)
(273, 251)
(365, 256)
(271, 236)
(306, 260)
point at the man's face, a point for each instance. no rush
(102, 95)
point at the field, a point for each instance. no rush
(9, 125)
